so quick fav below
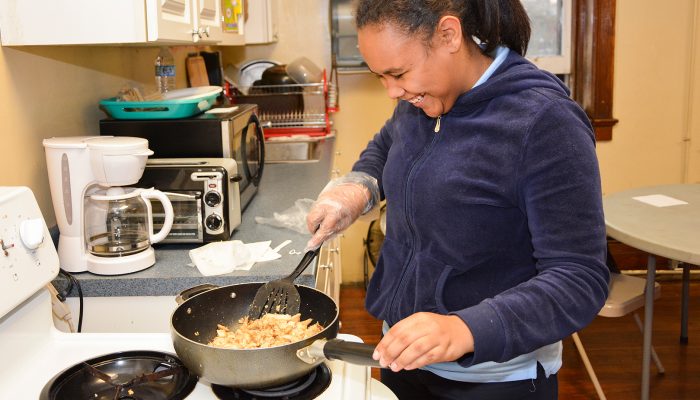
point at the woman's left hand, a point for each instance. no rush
(424, 338)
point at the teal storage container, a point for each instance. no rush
(181, 103)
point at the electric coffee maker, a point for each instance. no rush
(105, 228)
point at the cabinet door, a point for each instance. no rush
(25, 23)
(328, 273)
(261, 25)
(208, 23)
(207, 20)
(170, 20)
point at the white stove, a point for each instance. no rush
(34, 351)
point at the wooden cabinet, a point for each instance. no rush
(75, 22)
(328, 272)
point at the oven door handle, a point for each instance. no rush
(236, 178)
(181, 195)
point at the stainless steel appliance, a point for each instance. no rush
(204, 194)
(43, 357)
(233, 133)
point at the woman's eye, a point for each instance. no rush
(398, 76)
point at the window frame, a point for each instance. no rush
(593, 63)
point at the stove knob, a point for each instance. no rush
(212, 199)
(31, 232)
(214, 222)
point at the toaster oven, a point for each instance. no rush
(232, 133)
(204, 194)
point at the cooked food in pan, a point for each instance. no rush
(268, 331)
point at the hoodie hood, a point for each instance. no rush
(514, 75)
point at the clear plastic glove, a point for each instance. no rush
(340, 203)
(293, 218)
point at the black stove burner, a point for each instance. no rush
(130, 375)
(307, 387)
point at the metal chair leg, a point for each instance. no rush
(660, 368)
(648, 323)
(589, 367)
(684, 303)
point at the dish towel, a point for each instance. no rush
(220, 258)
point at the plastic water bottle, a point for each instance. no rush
(165, 71)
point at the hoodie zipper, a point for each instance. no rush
(437, 125)
(419, 161)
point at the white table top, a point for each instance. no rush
(671, 231)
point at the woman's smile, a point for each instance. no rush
(416, 100)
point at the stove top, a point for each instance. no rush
(132, 375)
(35, 352)
(40, 352)
(307, 387)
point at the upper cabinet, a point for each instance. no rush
(68, 22)
(261, 22)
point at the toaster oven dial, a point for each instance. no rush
(212, 199)
(214, 222)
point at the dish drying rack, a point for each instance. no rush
(290, 110)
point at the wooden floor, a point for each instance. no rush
(614, 346)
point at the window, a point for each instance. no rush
(550, 42)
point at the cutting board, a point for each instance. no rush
(197, 71)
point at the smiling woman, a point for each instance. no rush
(495, 241)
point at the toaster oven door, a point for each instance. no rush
(187, 223)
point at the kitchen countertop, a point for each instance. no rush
(281, 186)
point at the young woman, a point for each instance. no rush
(495, 238)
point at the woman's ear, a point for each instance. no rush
(449, 33)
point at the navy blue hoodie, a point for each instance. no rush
(496, 218)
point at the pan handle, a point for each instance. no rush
(336, 349)
(193, 291)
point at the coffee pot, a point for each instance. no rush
(105, 226)
(119, 221)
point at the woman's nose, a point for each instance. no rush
(393, 90)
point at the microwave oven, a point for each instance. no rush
(235, 133)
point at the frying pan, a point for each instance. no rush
(193, 325)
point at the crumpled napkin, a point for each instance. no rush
(220, 258)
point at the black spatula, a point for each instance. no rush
(280, 296)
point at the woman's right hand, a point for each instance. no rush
(335, 209)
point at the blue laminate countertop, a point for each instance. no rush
(281, 186)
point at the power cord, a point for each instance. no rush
(61, 295)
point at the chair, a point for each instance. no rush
(626, 295)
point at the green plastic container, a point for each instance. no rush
(181, 103)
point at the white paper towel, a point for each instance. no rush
(220, 258)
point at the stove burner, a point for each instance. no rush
(307, 387)
(131, 375)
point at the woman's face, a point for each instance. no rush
(409, 70)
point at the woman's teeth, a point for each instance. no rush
(416, 99)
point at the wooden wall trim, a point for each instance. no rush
(593, 62)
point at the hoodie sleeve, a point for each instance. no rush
(374, 156)
(558, 188)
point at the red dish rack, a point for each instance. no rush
(290, 110)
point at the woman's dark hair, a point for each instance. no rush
(493, 22)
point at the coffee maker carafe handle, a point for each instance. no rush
(167, 208)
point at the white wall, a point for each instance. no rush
(656, 97)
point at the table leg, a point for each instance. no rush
(684, 303)
(648, 315)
